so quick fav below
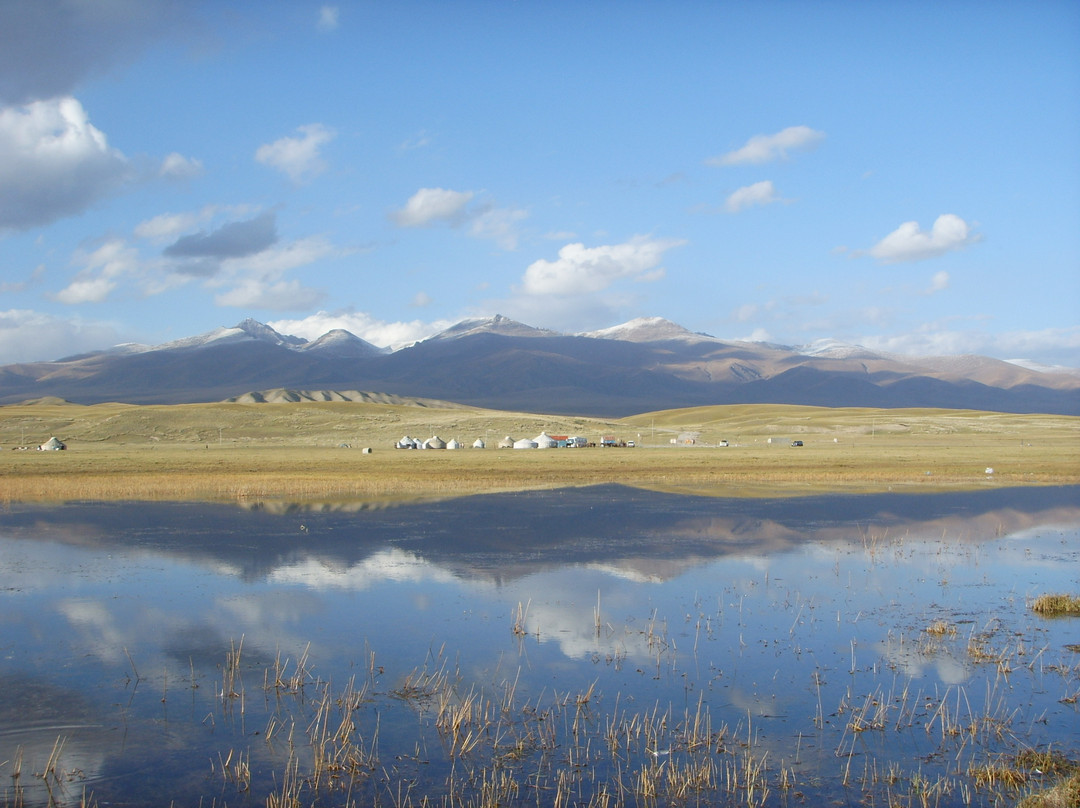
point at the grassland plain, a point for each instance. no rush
(311, 451)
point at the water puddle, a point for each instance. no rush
(594, 646)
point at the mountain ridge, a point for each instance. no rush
(645, 364)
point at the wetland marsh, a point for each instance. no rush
(599, 645)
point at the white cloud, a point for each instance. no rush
(581, 270)
(377, 332)
(47, 47)
(297, 157)
(282, 258)
(53, 163)
(746, 312)
(499, 225)
(253, 293)
(86, 290)
(31, 336)
(910, 243)
(11, 287)
(760, 193)
(1052, 346)
(766, 148)
(431, 205)
(170, 226)
(176, 166)
(256, 281)
(421, 299)
(939, 282)
(418, 141)
(328, 18)
(102, 268)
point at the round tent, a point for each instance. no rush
(524, 443)
(545, 441)
(453, 444)
(434, 442)
(479, 444)
(506, 443)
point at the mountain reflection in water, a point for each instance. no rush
(782, 620)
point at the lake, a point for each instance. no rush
(592, 646)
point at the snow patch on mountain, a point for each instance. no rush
(647, 329)
(492, 325)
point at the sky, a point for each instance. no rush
(903, 176)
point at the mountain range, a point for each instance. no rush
(643, 365)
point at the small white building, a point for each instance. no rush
(479, 444)
(524, 443)
(544, 441)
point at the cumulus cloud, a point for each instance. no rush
(910, 243)
(377, 332)
(53, 163)
(766, 148)
(232, 240)
(433, 206)
(176, 166)
(298, 157)
(48, 46)
(429, 206)
(939, 282)
(32, 336)
(257, 280)
(282, 257)
(760, 193)
(255, 293)
(581, 270)
(169, 226)
(499, 225)
(102, 270)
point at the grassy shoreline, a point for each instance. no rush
(312, 452)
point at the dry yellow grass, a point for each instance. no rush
(295, 451)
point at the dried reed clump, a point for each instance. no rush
(941, 628)
(1056, 605)
(1065, 794)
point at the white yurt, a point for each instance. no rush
(545, 441)
(479, 444)
(506, 443)
(53, 444)
(454, 444)
(524, 443)
(405, 443)
(434, 442)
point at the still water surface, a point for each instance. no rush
(585, 646)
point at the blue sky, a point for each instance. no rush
(899, 175)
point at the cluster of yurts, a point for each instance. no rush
(541, 441)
